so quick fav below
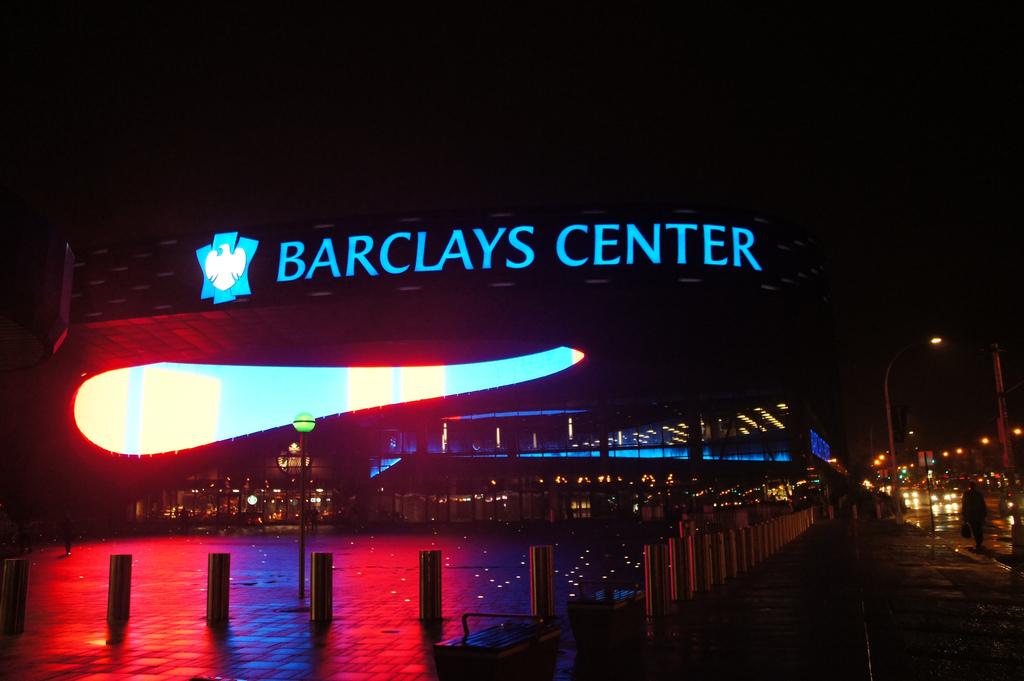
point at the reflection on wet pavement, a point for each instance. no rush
(375, 634)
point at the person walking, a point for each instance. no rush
(973, 511)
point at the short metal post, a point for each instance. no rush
(731, 563)
(13, 595)
(430, 584)
(747, 535)
(542, 581)
(1017, 532)
(681, 567)
(321, 587)
(119, 592)
(218, 586)
(656, 580)
(702, 561)
(718, 559)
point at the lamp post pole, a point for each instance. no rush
(892, 441)
(892, 438)
(1001, 415)
(303, 423)
(302, 515)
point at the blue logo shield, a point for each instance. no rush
(225, 265)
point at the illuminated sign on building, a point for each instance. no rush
(225, 264)
(575, 246)
(516, 247)
(168, 407)
(819, 447)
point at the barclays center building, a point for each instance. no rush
(607, 361)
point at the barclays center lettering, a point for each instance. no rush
(519, 247)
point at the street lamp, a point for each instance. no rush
(303, 423)
(888, 421)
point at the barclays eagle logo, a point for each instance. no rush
(225, 264)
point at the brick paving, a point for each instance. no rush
(375, 634)
(843, 601)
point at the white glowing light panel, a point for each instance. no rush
(168, 407)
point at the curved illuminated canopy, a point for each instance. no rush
(168, 407)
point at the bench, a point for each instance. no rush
(608, 624)
(510, 651)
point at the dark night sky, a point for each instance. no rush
(893, 139)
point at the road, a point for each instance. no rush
(948, 520)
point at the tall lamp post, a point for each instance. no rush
(888, 422)
(303, 423)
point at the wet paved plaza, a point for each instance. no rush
(845, 600)
(375, 633)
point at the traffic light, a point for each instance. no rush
(900, 418)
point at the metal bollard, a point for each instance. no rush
(13, 595)
(831, 512)
(542, 581)
(687, 528)
(708, 547)
(753, 555)
(430, 584)
(717, 559)
(656, 580)
(1017, 533)
(743, 550)
(681, 567)
(119, 592)
(321, 587)
(218, 587)
(731, 562)
(702, 562)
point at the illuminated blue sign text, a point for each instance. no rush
(576, 245)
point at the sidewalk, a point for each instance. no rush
(936, 611)
(844, 601)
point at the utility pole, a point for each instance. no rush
(1001, 417)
